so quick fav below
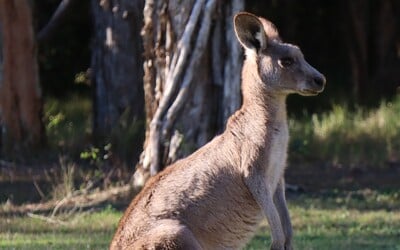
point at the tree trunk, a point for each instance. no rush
(192, 77)
(385, 64)
(1, 83)
(117, 67)
(20, 93)
(370, 35)
(358, 46)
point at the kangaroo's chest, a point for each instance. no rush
(277, 154)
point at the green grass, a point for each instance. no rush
(82, 231)
(363, 219)
(341, 136)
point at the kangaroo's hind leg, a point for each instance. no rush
(168, 234)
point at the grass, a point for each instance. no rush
(363, 219)
(366, 138)
(340, 229)
(82, 231)
(341, 136)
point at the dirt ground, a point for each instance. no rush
(25, 185)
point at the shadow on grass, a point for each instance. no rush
(362, 200)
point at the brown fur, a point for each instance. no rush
(215, 198)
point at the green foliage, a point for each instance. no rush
(67, 122)
(91, 154)
(360, 137)
(95, 155)
(356, 137)
(82, 78)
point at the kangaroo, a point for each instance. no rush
(216, 197)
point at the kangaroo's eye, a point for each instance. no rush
(286, 62)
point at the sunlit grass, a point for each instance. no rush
(81, 231)
(339, 229)
(341, 221)
(361, 137)
(363, 219)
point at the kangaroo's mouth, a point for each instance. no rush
(314, 86)
(310, 92)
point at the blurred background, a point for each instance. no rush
(81, 82)
(73, 84)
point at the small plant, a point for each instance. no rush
(55, 120)
(95, 155)
(103, 166)
(82, 78)
(62, 179)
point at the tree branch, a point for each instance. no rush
(198, 51)
(179, 59)
(47, 31)
(177, 65)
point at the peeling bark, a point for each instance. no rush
(191, 77)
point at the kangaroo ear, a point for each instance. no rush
(270, 29)
(250, 31)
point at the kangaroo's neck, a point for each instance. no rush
(257, 95)
(258, 122)
(260, 125)
(263, 112)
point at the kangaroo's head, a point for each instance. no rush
(280, 66)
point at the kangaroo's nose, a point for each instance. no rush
(319, 81)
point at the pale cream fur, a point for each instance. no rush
(216, 197)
